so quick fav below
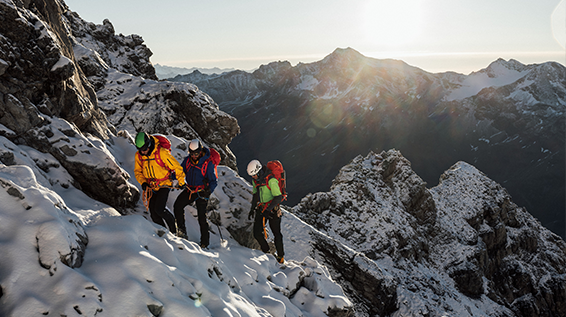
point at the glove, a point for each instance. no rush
(145, 186)
(205, 193)
(251, 214)
(269, 214)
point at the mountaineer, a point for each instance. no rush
(154, 170)
(268, 192)
(201, 178)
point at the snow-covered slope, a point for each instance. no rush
(499, 73)
(66, 254)
(394, 247)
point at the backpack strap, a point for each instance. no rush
(154, 182)
(267, 178)
(204, 167)
(158, 159)
(279, 182)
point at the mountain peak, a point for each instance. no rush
(346, 51)
(501, 64)
(344, 54)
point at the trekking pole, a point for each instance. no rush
(220, 231)
(222, 241)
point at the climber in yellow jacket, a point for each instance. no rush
(154, 169)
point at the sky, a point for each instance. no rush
(434, 35)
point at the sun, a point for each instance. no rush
(392, 23)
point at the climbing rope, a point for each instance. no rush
(148, 192)
(262, 211)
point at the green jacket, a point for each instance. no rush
(266, 195)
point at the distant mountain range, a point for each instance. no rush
(506, 119)
(165, 72)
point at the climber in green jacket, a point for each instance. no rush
(265, 207)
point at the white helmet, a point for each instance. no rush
(254, 167)
(195, 145)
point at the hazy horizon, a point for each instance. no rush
(436, 36)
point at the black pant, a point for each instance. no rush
(184, 199)
(157, 211)
(275, 226)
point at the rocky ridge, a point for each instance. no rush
(130, 94)
(464, 236)
(506, 119)
(48, 104)
(57, 66)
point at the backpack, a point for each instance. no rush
(162, 142)
(214, 159)
(278, 173)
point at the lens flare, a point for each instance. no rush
(558, 25)
(325, 115)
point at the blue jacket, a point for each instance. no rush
(193, 173)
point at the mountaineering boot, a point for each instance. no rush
(280, 259)
(204, 246)
(181, 234)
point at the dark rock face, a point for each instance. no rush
(40, 84)
(361, 278)
(465, 234)
(39, 73)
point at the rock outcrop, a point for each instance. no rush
(464, 239)
(47, 103)
(370, 191)
(38, 70)
(129, 93)
(64, 83)
(509, 256)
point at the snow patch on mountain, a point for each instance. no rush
(499, 73)
(308, 82)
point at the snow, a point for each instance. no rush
(498, 74)
(379, 223)
(308, 82)
(133, 267)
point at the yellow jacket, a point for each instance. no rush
(147, 170)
